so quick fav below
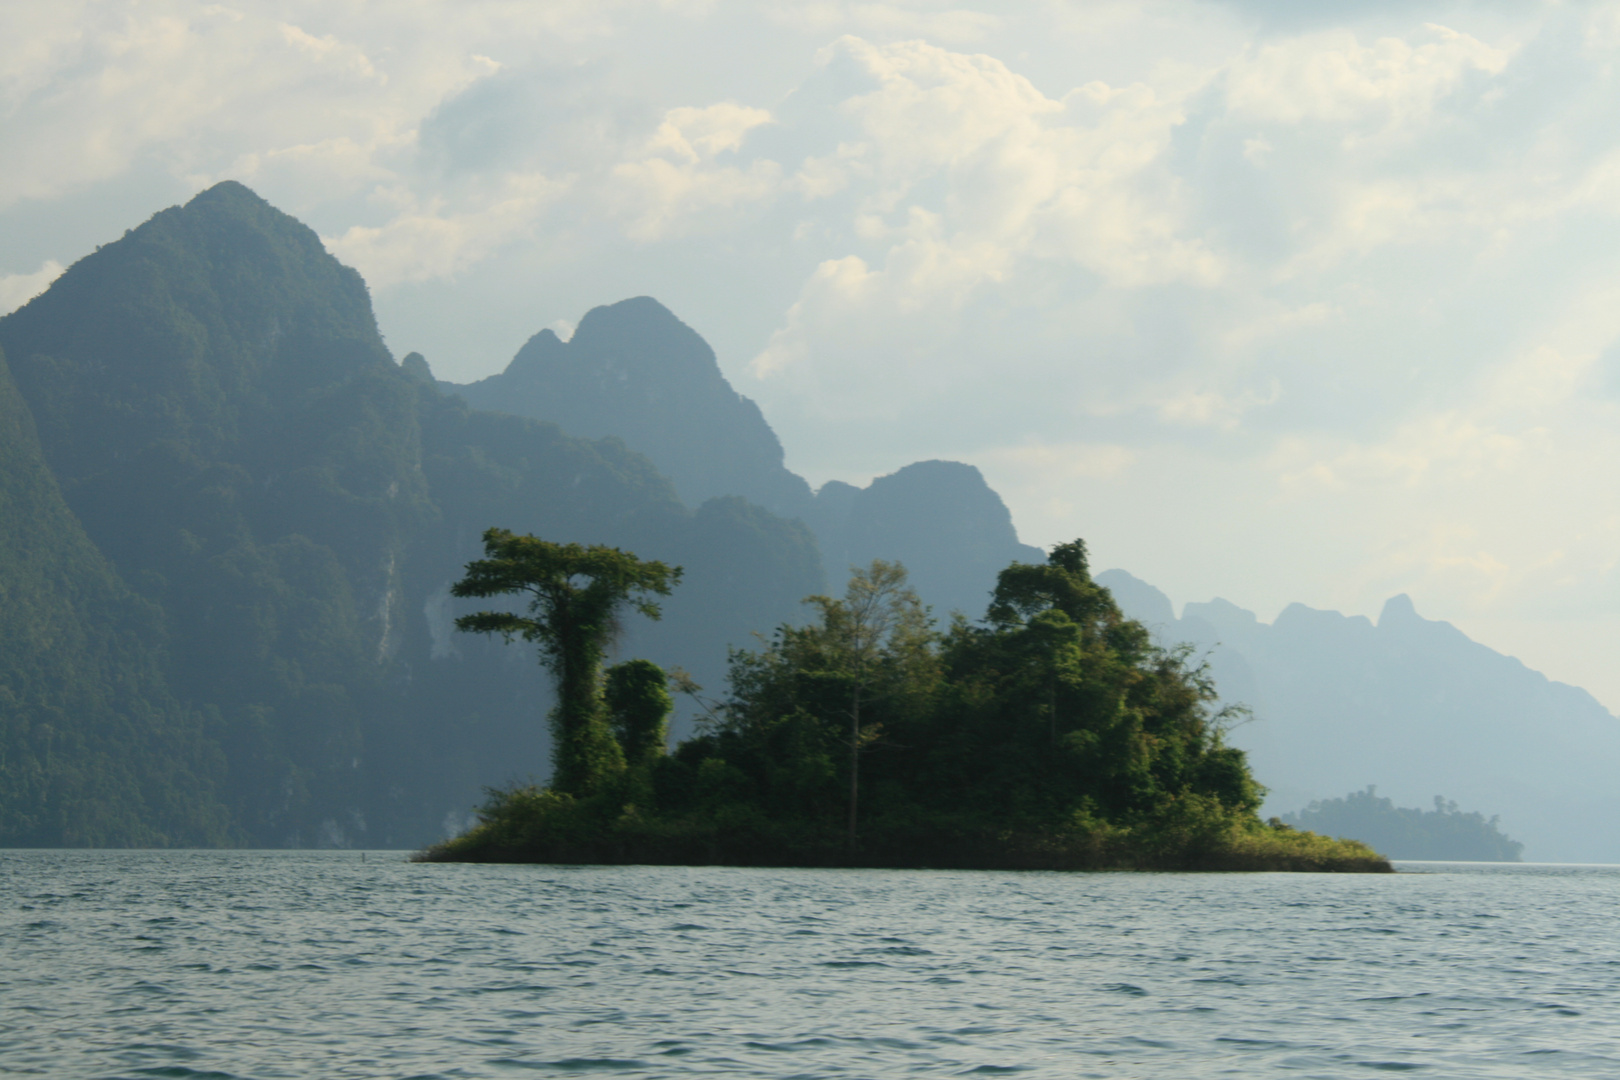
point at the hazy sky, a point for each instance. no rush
(1266, 305)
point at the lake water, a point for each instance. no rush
(326, 965)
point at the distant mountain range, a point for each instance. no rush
(633, 371)
(229, 520)
(1410, 705)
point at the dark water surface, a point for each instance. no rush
(321, 965)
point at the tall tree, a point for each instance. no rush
(575, 594)
(868, 634)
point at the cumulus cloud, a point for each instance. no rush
(682, 175)
(1387, 86)
(965, 185)
(936, 22)
(426, 242)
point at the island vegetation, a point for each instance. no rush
(1444, 833)
(1051, 734)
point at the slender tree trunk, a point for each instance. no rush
(1051, 709)
(854, 762)
(571, 770)
(586, 752)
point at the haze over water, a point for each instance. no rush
(304, 964)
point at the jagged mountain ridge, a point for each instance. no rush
(940, 519)
(268, 512)
(635, 371)
(212, 398)
(1410, 705)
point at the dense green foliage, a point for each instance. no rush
(638, 705)
(228, 579)
(1052, 734)
(574, 595)
(1443, 833)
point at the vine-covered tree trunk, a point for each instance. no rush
(586, 753)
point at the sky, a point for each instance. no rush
(1267, 300)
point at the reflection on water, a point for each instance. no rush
(305, 964)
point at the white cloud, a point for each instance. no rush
(1213, 408)
(428, 242)
(1066, 179)
(1362, 89)
(91, 88)
(693, 135)
(327, 50)
(935, 22)
(968, 183)
(1275, 320)
(679, 182)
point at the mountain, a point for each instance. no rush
(634, 371)
(1410, 705)
(94, 750)
(229, 522)
(219, 414)
(939, 518)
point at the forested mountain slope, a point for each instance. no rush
(1410, 705)
(220, 413)
(93, 748)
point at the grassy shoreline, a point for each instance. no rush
(536, 826)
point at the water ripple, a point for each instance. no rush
(265, 965)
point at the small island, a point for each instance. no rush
(1443, 834)
(1053, 734)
